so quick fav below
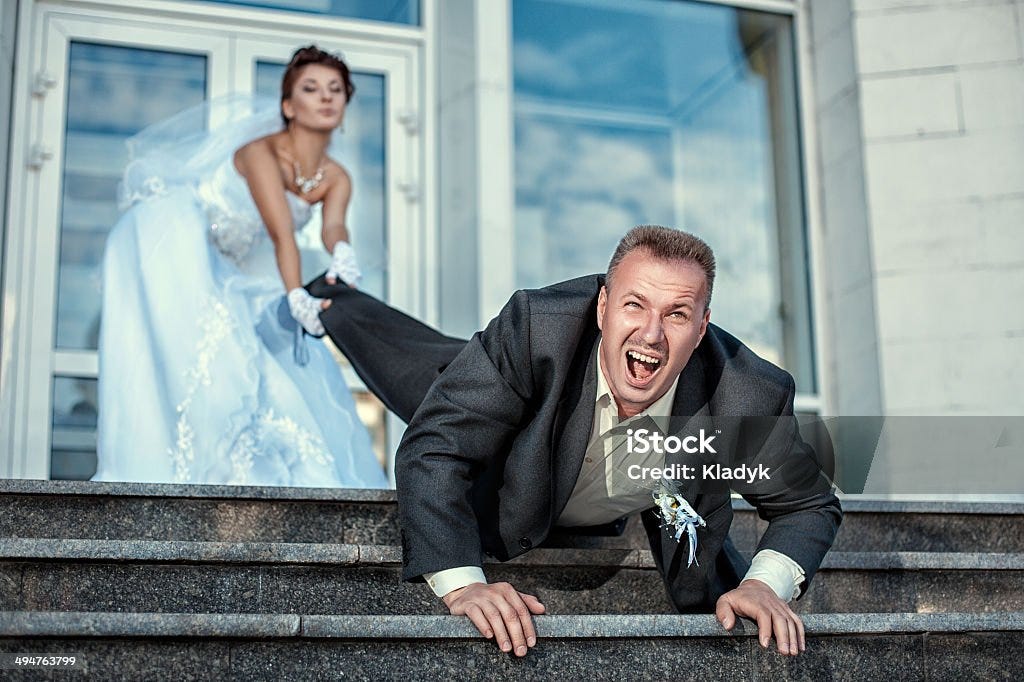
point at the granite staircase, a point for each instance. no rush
(208, 582)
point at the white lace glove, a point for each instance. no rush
(306, 310)
(343, 264)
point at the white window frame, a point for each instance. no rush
(230, 35)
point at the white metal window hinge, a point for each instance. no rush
(38, 155)
(409, 120)
(44, 82)
(411, 190)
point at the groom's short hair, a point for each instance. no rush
(666, 243)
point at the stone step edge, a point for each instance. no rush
(17, 486)
(183, 551)
(24, 486)
(102, 624)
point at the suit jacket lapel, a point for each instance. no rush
(573, 422)
(690, 392)
(691, 403)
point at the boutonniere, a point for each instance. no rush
(675, 512)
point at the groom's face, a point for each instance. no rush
(652, 317)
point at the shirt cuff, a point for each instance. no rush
(451, 579)
(778, 571)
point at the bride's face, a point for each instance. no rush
(317, 100)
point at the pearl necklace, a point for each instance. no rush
(307, 185)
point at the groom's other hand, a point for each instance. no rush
(498, 610)
(757, 601)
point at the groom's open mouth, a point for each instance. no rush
(641, 368)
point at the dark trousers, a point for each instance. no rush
(397, 357)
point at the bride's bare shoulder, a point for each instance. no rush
(259, 151)
(336, 173)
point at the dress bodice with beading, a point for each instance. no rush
(234, 221)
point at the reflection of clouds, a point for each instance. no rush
(603, 223)
(689, 145)
(537, 64)
(727, 186)
(630, 173)
(536, 161)
(568, 68)
(575, 51)
(126, 89)
(581, 188)
(624, 166)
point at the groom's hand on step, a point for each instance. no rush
(756, 600)
(498, 610)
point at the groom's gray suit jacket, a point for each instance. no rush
(493, 452)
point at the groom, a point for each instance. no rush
(511, 438)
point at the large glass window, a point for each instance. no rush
(103, 110)
(674, 113)
(98, 78)
(391, 11)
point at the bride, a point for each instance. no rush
(206, 375)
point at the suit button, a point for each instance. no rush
(525, 543)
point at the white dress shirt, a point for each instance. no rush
(602, 494)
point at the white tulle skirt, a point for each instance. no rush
(200, 381)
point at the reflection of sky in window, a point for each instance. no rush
(119, 90)
(563, 183)
(359, 147)
(640, 55)
(113, 92)
(391, 11)
(645, 111)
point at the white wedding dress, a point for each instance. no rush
(204, 375)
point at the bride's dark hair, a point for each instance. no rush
(305, 56)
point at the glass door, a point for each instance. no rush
(99, 79)
(103, 110)
(96, 84)
(378, 145)
(372, 145)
